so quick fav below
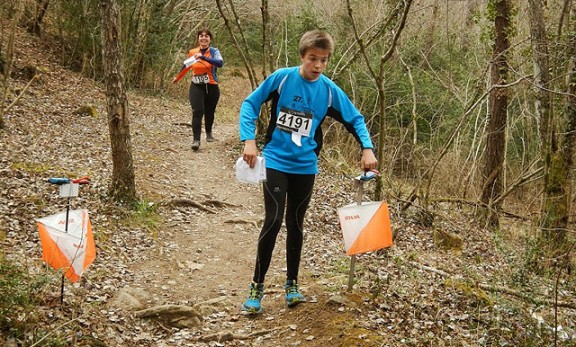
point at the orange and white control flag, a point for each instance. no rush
(365, 227)
(69, 248)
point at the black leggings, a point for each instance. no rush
(203, 100)
(282, 189)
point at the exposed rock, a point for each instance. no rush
(131, 299)
(177, 316)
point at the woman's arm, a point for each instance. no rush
(216, 58)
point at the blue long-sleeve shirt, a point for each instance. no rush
(215, 56)
(294, 136)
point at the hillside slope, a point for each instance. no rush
(191, 244)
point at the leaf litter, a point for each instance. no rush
(200, 260)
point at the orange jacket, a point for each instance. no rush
(204, 68)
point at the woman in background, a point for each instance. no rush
(204, 92)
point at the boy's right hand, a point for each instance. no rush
(250, 152)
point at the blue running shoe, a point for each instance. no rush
(293, 295)
(252, 304)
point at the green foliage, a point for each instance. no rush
(77, 29)
(144, 214)
(436, 107)
(34, 168)
(523, 141)
(308, 18)
(253, 35)
(149, 46)
(9, 8)
(19, 294)
(340, 269)
(470, 290)
(533, 259)
(488, 33)
(448, 66)
(147, 39)
(447, 240)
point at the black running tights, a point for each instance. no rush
(293, 192)
(203, 100)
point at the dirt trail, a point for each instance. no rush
(202, 254)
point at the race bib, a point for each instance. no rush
(200, 79)
(294, 121)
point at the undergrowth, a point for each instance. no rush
(20, 295)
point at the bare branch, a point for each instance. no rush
(242, 52)
(15, 101)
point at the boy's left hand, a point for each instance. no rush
(369, 161)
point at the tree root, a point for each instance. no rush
(241, 221)
(184, 124)
(189, 202)
(229, 336)
(202, 206)
(218, 203)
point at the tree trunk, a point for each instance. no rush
(266, 43)
(4, 88)
(543, 101)
(430, 40)
(41, 9)
(4, 92)
(498, 107)
(262, 123)
(560, 184)
(122, 188)
(554, 210)
(570, 140)
(7, 58)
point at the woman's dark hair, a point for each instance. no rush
(204, 31)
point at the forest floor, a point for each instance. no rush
(188, 251)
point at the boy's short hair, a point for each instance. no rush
(316, 39)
